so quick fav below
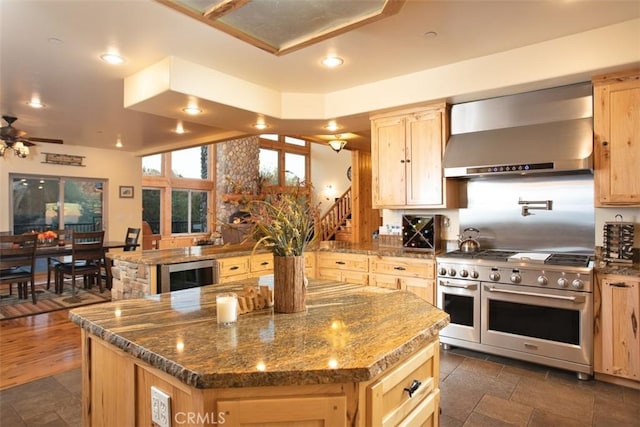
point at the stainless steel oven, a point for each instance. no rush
(461, 300)
(549, 323)
(533, 306)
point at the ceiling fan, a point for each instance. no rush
(16, 139)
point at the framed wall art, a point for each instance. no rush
(126, 191)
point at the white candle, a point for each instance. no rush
(226, 308)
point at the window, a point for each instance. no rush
(152, 165)
(284, 159)
(152, 208)
(46, 203)
(177, 202)
(190, 163)
(188, 211)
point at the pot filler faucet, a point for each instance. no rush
(547, 205)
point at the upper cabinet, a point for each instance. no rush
(616, 120)
(406, 152)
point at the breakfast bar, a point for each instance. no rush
(358, 356)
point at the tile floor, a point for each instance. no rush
(477, 390)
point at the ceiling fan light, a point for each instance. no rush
(337, 144)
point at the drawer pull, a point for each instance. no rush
(235, 267)
(619, 285)
(413, 387)
(340, 262)
(264, 263)
(399, 268)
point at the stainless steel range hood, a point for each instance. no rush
(544, 131)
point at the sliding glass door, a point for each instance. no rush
(51, 203)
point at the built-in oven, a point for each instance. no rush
(461, 300)
(530, 306)
(185, 275)
(549, 322)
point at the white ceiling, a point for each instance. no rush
(51, 48)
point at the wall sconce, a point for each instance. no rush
(337, 144)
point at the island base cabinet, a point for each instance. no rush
(117, 391)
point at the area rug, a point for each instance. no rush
(11, 306)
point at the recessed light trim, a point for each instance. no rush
(192, 110)
(260, 126)
(34, 103)
(112, 58)
(332, 126)
(332, 61)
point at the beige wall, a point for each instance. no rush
(115, 167)
(329, 168)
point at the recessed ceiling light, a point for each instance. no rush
(332, 126)
(112, 58)
(431, 34)
(193, 110)
(35, 103)
(119, 143)
(332, 61)
(179, 128)
(260, 126)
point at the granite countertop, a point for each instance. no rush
(198, 253)
(349, 333)
(631, 270)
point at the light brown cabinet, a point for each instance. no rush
(406, 152)
(233, 268)
(261, 264)
(616, 119)
(617, 332)
(343, 267)
(412, 274)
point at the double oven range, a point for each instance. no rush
(533, 306)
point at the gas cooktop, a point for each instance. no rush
(565, 259)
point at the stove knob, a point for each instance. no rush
(452, 272)
(543, 281)
(495, 276)
(562, 282)
(474, 274)
(442, 271)
(577, 284)
(464, 273)
(516, 278)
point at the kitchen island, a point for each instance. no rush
(358, 356)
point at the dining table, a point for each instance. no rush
(58, 250)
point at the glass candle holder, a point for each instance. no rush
(226, 308)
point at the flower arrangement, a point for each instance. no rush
(47, 235)
(284, 222)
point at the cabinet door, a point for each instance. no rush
(617, 141)
(424, 154)
(620, 327)
(424, 288)
(388, 157)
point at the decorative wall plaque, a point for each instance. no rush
(63, 159)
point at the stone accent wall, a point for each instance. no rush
(241, 164)
(130, 280)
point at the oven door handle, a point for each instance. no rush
(452, 285)
(576, 299)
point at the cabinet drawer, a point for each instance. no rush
(388, 401)
(233, 266)
(262, 263)
(384, 281)
(399, 266)
(340, 261)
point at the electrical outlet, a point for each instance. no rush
(160, 407)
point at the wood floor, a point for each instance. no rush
(35, 347)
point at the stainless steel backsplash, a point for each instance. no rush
(494, 209)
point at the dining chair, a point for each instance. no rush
(17, 263)
(87, 258)
(53, 262)
(130, 244)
